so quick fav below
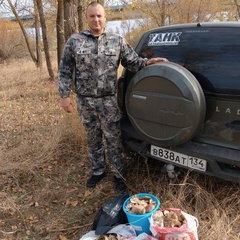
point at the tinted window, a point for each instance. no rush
(211, 54)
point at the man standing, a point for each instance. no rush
(95, 55)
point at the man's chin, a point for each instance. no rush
(97, 30)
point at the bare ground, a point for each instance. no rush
(44, 166)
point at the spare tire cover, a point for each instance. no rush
(165, 104)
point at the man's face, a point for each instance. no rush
(96, 19)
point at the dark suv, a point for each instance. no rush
(186, 112)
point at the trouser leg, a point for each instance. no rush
(95, 148)
(115, 151)
(110, 124)
(91, 122)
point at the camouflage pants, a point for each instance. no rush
(101, 119)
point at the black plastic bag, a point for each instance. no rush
(110, 214)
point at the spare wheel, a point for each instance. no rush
(165, 104)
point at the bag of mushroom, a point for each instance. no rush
(173, 224)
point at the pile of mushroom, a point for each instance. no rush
(168, 219)
(110, 236)
(140, 205)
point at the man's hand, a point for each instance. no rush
(154, 60)
(67, 104)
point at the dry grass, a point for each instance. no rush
(43, 168)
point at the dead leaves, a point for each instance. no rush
(87, 193)
(71, 203)
(61, 237)
(38, 140)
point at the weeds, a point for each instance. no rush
(44, 166)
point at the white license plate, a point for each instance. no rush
(179, 158)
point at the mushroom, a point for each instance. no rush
(110, 236)
(168, 219)
(140, 205)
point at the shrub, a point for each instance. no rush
(12, 42)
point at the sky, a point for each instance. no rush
(6, 12)
(113, 26)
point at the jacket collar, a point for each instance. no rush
(89, 33)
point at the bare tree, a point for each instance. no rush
(69, 26)
(38, 59)
(238, 9)
(37, 35)
(23, 31)
(60, 30)
(69, 20)
(45, 40)
(80, 10)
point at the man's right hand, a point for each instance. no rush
(67, 104)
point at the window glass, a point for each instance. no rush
(211, 54)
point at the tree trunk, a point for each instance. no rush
(238, 9)
(44, 36)
(37, 37)
(80, 15)
(68, 19)
(60, 28)
(24, 32)
(163, 13)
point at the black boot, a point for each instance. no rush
(120, 185)
(94, 180)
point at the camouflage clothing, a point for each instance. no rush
(101, 116)
(96, 60)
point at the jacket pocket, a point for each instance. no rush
(111, 57)
(84, 56)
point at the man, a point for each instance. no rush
(95, 55)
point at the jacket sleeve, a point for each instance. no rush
(130, 59)
(65, 71)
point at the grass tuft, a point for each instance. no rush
(44, 167)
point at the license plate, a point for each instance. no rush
(179, 158)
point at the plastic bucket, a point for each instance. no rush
(140, 222)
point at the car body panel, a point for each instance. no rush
(211, 52)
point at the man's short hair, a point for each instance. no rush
(93, 4)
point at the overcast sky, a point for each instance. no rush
(113, 26)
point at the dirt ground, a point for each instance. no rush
(44, 167)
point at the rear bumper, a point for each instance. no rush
(222, 162)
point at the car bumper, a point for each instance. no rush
(222, 162)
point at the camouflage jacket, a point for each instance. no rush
(96, 61)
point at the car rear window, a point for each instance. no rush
(211, 54)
